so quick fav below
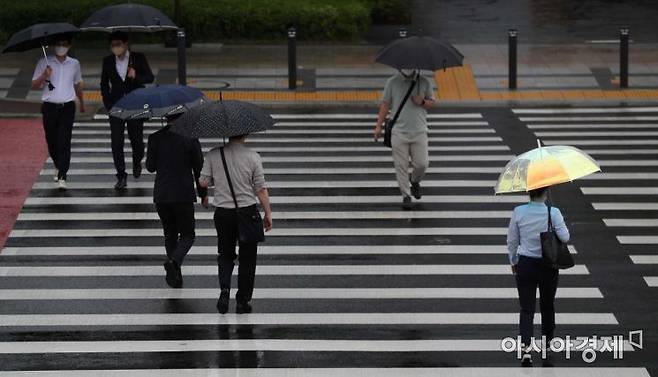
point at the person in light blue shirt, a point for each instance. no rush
(525, 256)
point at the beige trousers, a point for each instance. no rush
(410, 150)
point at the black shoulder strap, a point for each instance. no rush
(550, 222)
(228, 176)
(406, 97)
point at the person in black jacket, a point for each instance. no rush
(123, 72)
(177, 162)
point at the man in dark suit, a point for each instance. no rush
(177, 162)
(123, 72)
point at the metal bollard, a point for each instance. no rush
(623, 57)
(182, 69)
(512, 42)
(292, 58)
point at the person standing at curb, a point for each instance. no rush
(60, 77)
(124, 71)
(409, 139)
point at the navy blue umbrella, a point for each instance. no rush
(157, 101)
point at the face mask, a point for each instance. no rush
(118, 50)
(407, 72)
(61, 50)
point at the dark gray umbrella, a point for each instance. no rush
(38, 36)
(420, 53)
(223, 119)
(128, 17)
(157, 101)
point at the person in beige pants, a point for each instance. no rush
(409, 139)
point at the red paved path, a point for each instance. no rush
(22, 154)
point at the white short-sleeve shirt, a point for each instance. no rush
(63, 77)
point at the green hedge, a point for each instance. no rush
(221, 20)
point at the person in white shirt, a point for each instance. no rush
(60, 78)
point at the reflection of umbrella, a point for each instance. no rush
(223, 119)
(157, 101)
(544, 167)
(39, 35)
(128, 17)
(420, 53)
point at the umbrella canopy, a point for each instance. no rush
(38, 35)
(223, 119)
(544, 167)
(420, 53)
(157, 101)
(128, 17)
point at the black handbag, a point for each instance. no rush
(389, 123)
(555, 253)
(250, 224)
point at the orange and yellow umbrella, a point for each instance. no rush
(543, 167)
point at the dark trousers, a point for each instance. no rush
(227, 234)
(58, 125)
(178, 224)
(530, 274)
(136, 136)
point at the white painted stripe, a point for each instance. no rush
(572, 110)
(620, 151)
(278, 232)
(268, 250)
(631, 222)
(302, 270)
(619, 190)
(634, 206)
(316, 124)
(348, 215)
(284, 293)
(620, 176)
(331, 131)
(644, 259)
(370, 116)
(638, 240)
(596, 133)
(652, 281)
(370, 159)
(602, 142)
(344, 372)
(591, 125)
(590, 119)
(33, 201)
(627, 162)
(160, 319)
(332, 149)
(312, 171)
(261, 138)
(287, 184)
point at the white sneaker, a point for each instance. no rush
(56, 177)
(61, 184)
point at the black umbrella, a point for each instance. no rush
(223, 119)
(420, 53)
(128, 17)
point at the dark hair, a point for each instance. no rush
(119, 36)
(68, 38)
(238, 137)
(536, 193)
(172, 117)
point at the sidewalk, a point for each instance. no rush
(347, 73)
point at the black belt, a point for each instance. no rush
(59, 105)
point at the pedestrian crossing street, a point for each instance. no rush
(347, 283)
(622, 140)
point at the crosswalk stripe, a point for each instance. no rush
(314, 171)
(620, 151)
(631, 222)
(644, 259)
(601, 142)
(596, 133)
(331, 159)
(173, 319)
(590, 118)
(576, 110)
(277, 232)
(305, 270)
(260, 138)
(560, 126)
(369, 116)
(331, 131)
(331, 149)
(620, 176)
(284, 293)
(267, 250)
(302, 215)
(626, 206)
(652, 281)
(33, 201)
(636, 240)
(619, 190)
(346, 372)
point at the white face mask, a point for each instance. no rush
(118, 50)
(408, 73)
(61, 50)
